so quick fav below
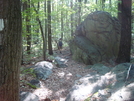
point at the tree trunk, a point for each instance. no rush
(24, 7)
(119, 10)
(96, 4)
(71, 18)
(125, 41)
(62, 27)
(28, 28)
(42, 33)
(45, 41)
(76, 14)
(110, 4)
(49, 27)
(79, 12)
(85, 1)
(103, 4)
(11, 53)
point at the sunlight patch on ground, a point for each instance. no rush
(61, 74)
(63, 60)
(68, 76)
(59, 92)
(43, 92)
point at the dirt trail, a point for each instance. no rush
(57, 86)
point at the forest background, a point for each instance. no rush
(44, 22)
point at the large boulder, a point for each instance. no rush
(96, 38)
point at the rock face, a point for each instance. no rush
(96, 38)
(112, 84)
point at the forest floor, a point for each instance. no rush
(57, 86)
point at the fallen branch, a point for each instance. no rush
(128, 72)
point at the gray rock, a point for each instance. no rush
(96, 38)
(88, 85)
(35, 82)
(110, 85)
(121, 71)
(88, 67)
(27, 96)
(78, 75)
(100, 69)
(45, 64)
(124, 87)
(123, 94)
(43, 70)
(61, 62)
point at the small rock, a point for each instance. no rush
(79, 76)
(45, 64)
(43, 70)
(61, 62)
(42, 73)
(35, 82)
(27, 96)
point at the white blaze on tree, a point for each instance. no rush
(1, 24)
(1, 28)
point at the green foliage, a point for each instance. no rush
(27, 71)
(88, 99)
(59, 8)
(32, 86)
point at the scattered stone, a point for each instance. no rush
(61, 62)
(78, 75)
(27, 96)
(43, 70)
(35, 83)
(45, 64)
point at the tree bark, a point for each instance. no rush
(62, 27)
(76, 14)
(125, 41)
(103, 4)
(96, 4)
(10, 59)
(71, 18)
(49, 28)
(28, 27)
(85, 1)
(110, 4)
(119, 10)
(79, 12)
(45, 41)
